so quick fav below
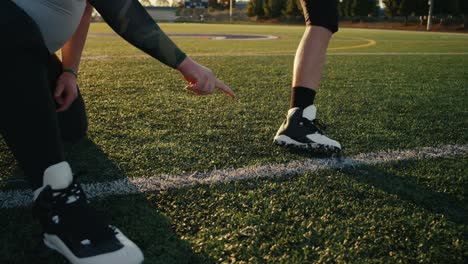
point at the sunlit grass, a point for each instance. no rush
(143, 123)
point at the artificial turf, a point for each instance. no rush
(143, 123)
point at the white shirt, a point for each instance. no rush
(57, 19)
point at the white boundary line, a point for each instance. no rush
(409, 32)
(110, 57)
(21, 198)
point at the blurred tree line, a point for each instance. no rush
(360, 9)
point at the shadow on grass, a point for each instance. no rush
(317, 153)
(455, 209)
(407, 189)
(133, 214)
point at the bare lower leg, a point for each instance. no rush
(310, 57)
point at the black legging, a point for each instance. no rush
(28, 121)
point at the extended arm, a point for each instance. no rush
(130, 20)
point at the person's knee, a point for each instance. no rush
(322, 13)
(73, 136)
(77, 134)
(74, 122)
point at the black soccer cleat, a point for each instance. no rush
(302, 130)
(75, 230)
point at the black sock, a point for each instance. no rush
(302, 97)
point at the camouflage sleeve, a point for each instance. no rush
(131, 21)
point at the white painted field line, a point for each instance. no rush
(20, 198)
(143, 56)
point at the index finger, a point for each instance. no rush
(223, 87)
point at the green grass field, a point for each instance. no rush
(382, 90)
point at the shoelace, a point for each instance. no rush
(71, 213)
(71, 194)
(315, 124)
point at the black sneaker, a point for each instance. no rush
(75, 230)
(302, 130)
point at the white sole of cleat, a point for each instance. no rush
(118, 257)
(283, 140)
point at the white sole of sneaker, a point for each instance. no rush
(132, 255)
(289, 142)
